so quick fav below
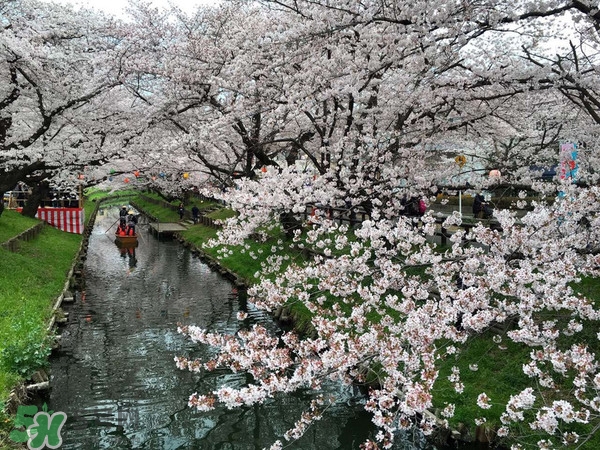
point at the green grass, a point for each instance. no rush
(32, 280)
(7, 381)
(201, 204)
(499, 374)
(245, 266)
(221, 214)
(188, 203)
(245, 260)
(157, 211)
(590, 287)
(94, 194)
(165, 214)
(24, 297)
(13, 223)
(156, 196)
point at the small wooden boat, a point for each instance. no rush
(126, 240)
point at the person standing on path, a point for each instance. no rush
(195, 214)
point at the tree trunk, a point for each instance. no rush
(9, 179)
(38, 194)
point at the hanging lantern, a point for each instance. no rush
(186, 175)
(495, 173)
(109, 178)
(136, 173)
(112, 171)
(153, 177)
(264, 169)
(126, 180)
(162, 174)
(81, 176)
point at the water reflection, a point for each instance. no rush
(115, 375)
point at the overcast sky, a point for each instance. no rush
(117, 7)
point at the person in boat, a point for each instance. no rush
(123, 216)
(131, 223)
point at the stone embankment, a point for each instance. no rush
(12, 245)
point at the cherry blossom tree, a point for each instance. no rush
(386, 90)
(58, 69)
(354, 106)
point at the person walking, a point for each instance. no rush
(195, 214)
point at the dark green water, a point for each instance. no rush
(116, 379)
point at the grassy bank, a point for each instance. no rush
(13, 224)
(32, 280)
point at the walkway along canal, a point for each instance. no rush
(115, 376)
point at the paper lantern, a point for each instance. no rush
(264, 169)
(495, 173)
(126, 180)
(162, 174)
(112, 171)
(109, 178)
(136, 173)
(461, 160)
(186, 175)
(81, 176)
(153, 178)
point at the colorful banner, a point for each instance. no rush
(568, 162)
(71, 220)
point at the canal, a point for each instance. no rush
(115, 376)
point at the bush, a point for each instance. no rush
(27, 353)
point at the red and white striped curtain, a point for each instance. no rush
(65, 219)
